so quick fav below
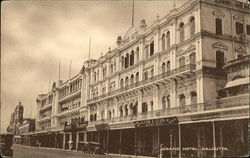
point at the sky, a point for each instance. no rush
(36, 35)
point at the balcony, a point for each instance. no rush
(48, 106)
(72, 94)
(178, 72)
(225, 103)
(244, 59)
(44, 118)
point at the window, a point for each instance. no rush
(152, 72)
(239, 28)
(126, 61)
(137, 77)
(146, 51)
(248, 29)
(132, 58)
(144, 107)
(111, 69)
(151, 48)
(168, 66)
(182, 62)
(126, 110)
(168, 101)
(218, 26)
(163, 67)
(137, 53)
(121, 83)
(145, 75)
(104, 71)
(94, 76)
(182, 100)
(192, 57)
(121, 111)
(135, 107)
(103, 90)
(163, 40)
(152, 105)
(123, 63)
(168, 39)
(132, 79)
(219, 59)
(193, 97)
(110, 114)
(164, 102)
(192, 26)
(126, 82)
(182, 33)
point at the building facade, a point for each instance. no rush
(178, 87)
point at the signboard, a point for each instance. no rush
(156, 122)
(102, 127)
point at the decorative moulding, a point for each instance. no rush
(220, 45)
(218, 13)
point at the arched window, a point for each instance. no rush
(152, 72)
(97, 77)
(163, 67)
(127, 61)
(168, 101)
(94, 76)
(219, 59)
(126, 82)
(146, 51)
(182, 100)
(145, 75)
(144, 107)
(168, 39)
(110, 114)
(126, 110)
(164, 102)
(192, 26)
(135, 107)
(121, 83)
(121, 112)
(137, 77)
(192, 58)
(182, 33)
(163, 40)
(137, 53)
(151, 48)
(182, 62)
(132, 79)
(193, 97)
(111, 68)
(123, 62)
(132, 58)
(168, 66)
(102, 114)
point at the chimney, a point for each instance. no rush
(119, 40)
(143, 24)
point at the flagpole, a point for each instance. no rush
(133, 13)
(89, 47)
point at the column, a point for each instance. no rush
(85, 136)
(64, 140)
(140, 101)
(120, 149)
(214, 145)
(158, 141)
(221, 140)
(77, 140)
(107, 142)
(135, 152)
(179, 127)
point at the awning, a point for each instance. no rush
(237, 82)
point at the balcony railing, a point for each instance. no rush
(176, 71)
(237, 61)
(236, 101)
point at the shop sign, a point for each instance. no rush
(102, 127)
(204, 116)
(156, 122)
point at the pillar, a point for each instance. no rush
(221, 140)
(64, 140)
(179, 128)
(107, 142)
(171, 141)
(214, 145)
(120, 149)
(135, 143)
(77, 140)
(156, 98)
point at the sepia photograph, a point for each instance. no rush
(125, 78)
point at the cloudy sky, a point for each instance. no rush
(36, 35)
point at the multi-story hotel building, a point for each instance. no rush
(180, 83)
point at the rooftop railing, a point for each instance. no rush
(235, 101)
(163, 75)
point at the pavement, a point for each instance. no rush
(21, 151)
